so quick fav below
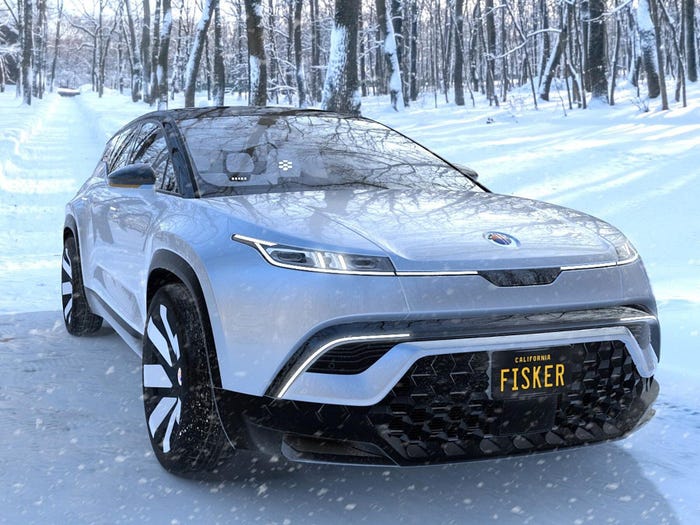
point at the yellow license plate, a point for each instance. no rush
(524, 373)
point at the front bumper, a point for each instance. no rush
(440, 409)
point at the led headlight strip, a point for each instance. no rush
(321, 261)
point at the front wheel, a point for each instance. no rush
(185, 431)
(78, 318)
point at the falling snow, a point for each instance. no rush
(73, 433)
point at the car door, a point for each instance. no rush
(96, 239)
(132, 213)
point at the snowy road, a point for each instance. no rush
(75, 448)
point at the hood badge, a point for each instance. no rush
(502, 239)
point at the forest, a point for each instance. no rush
(331, 53)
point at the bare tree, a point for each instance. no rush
(690, 39)
(596, 61)
(413, 84)
(654, 10)
(27, 32)
(459, 53)
(647, 43)
(341, 88)
(195, 56)
(491, 50)
(163, 51)
(219, 73)
(298, 60)
(146, 51)
(385, 17)
(56, 43)
(257, 60)
(40, 38)
(134, 55)
(554, 58)
(316, 78)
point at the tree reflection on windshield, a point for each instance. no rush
(282, 153)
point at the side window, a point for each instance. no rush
(151, 148)
(144, 139)
(117, 154)
(169, 179)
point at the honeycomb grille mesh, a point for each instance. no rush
(440, 410)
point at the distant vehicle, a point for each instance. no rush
(68, 92)
(318, 285)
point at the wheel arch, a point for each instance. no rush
(70, 228)
(168, 267)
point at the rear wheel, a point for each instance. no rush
(78, 318)
(185, 431)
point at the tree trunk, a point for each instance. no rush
(163, 51)
(155, 52)
(257, 61)
(659, 53)
(363, 54)
(176, 79)
(474, 48)
(546, 44)
(690, 41)
(134, 53)
(647, 42)
(298, 61)
(413, 89)
(146, 51)
(195, 55)
(341, 90)
(27, 49)
(315, 52)
(490, 54)
(397, 23)
(40, 50)
(219, 73)
(56, 42)
(615, 58)
(553, 62)
(391, 56)
(459, 54)
(596, 61)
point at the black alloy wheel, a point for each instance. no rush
(78, 318)
(186, 434)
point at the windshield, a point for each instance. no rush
(279, 153)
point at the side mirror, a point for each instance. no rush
(132, 176)
(465, 170)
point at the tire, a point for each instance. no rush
(184, 428)
(78, 318)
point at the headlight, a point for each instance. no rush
(296, 258)
(625, 251)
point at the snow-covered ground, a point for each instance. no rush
(72, 431)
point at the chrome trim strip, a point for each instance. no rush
(372, 385)
(251, 240)
(258, 244)
(601, 265)
(438, 273)
(332, 344)
(588, 266)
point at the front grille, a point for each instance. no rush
(441, 410)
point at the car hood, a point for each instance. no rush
(424, 231)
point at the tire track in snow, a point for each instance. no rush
(54, 148)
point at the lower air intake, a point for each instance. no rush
(441, 409)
